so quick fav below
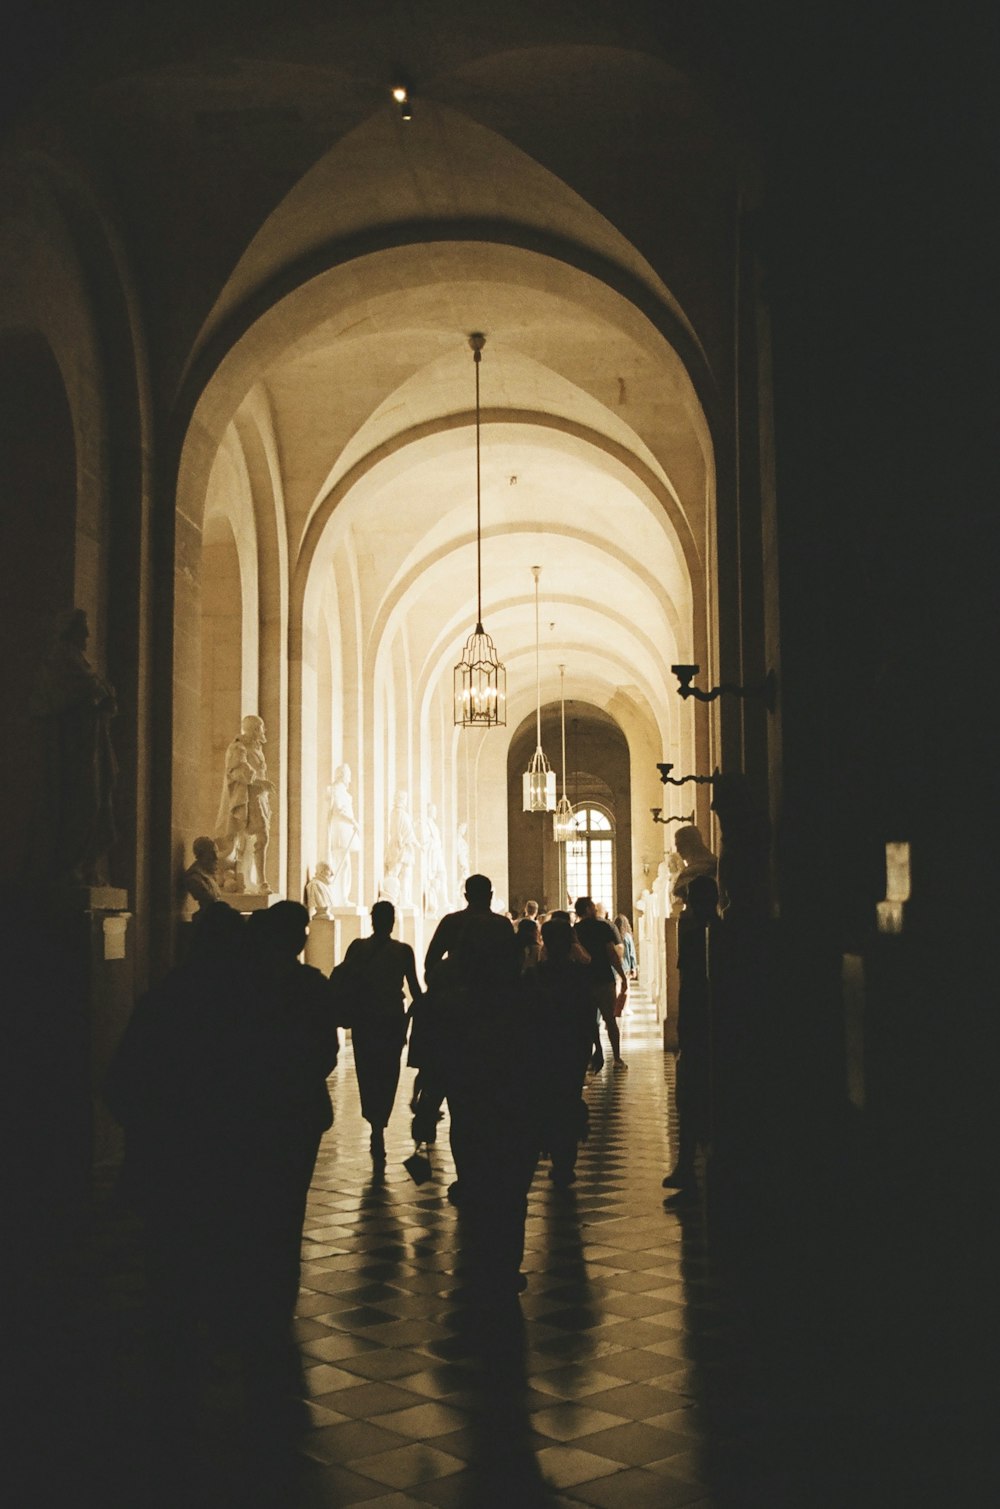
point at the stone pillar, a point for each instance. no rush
(672, 983)
(91, 933)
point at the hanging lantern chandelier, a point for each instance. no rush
(539, 780)
(480, 675)
(563, 820)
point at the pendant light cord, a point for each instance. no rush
(562, 699)
(477, 357)
(537, 571)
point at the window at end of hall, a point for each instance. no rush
(590, 857)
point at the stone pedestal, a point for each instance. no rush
(671, 983)
(350, 922)
(90, 934)
(245, 901)
(321, 944)
(408, 923)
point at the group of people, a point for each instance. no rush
(221, 1085)
(221, 1081)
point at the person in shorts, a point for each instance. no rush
(608, 980)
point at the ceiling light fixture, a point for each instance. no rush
(403, 96)
(480, 675)
(563, 821)
(539, 780)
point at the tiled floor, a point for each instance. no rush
(621, 1379)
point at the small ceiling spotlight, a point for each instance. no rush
(766, 691)
(403, 95)
(658, 819)
(670, 780)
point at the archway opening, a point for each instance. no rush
(598, 778)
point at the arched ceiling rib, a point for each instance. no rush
(596, 462)
(448, 167)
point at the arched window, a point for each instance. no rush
(590, 857)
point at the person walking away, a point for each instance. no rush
(492, 1093)
(529, 943)
(164, 1087)
(601, 942)
(378, 1033)
(280, 1107)
(564, 1034)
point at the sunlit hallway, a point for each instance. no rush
(726, 261)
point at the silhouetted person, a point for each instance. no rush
(473, 971)
(490, 937)
(287, 1048)
(167, 1085)
(563, 1017)
(529, 942)
(694, 1033)
(601, 941)
(378, 1031)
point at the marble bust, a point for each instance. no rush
(696, 858)
(319, 892)
(201, 879)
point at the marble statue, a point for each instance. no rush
(697, 859)
(201, 880)
(435, 874)
(462, 856)
(319, 891)
(74, 827)
(244, 822)
(344, 835)
(401, 849)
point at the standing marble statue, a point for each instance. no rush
(462, 857)
(244, 821)
(435, 874)
(319, 891)
(401, 849)
(74, 827)
(343, 835)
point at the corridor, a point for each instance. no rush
(629, 1383)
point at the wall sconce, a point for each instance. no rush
(403, 95)
(669, 780)
(658, 819)
(767, 691)
(890, 913)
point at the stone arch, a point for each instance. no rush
(302, 309)
(38, 463)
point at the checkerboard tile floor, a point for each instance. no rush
(620, 1380)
